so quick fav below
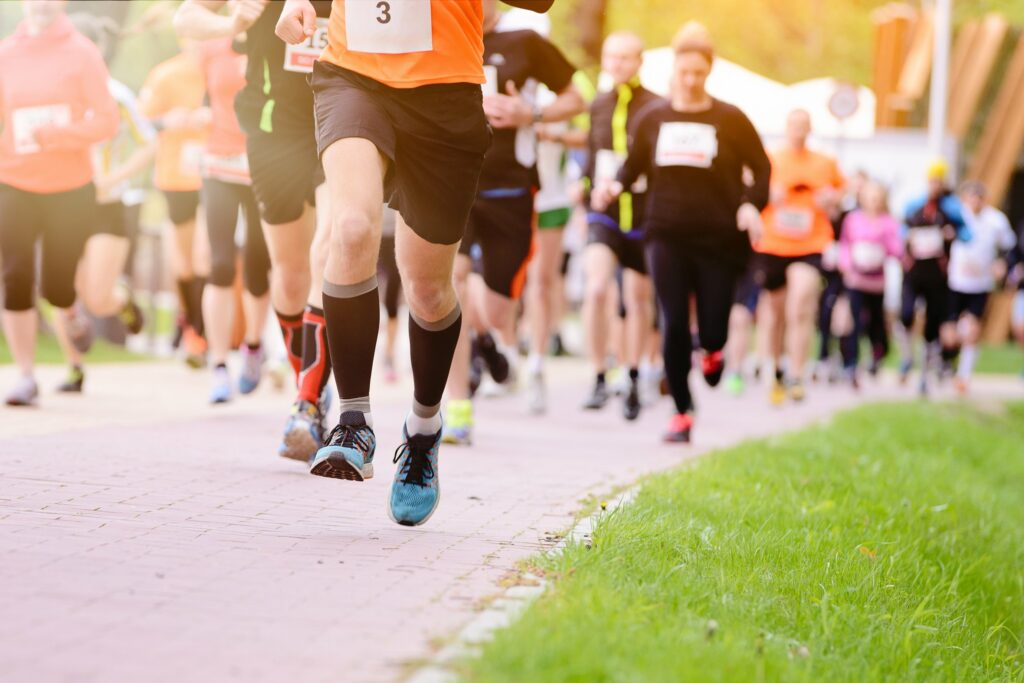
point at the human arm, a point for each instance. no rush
(201, 19)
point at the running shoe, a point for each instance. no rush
(734, 383)
(960, 386)
(476, 371)
(679, 428)
(24, 393)
(631, 404)
(131, 316)
(598, 397)
(252, 369)
(536, 394)
(557, 346)
(416, 489)
(497, 363)
(80, 330)
(195, 348)
(852, 378)
(713, 365)
(303, 434)
(777, 394)
(458, 423)
(348, 450)
(796, 390)
(72, 384)
(220, 392)
(906, 365)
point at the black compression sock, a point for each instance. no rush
(352, 315)
(432, 346)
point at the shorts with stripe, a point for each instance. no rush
(502, 227)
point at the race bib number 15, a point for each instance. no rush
(388, 27)
(299, 58)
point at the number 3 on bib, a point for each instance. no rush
(388, 27)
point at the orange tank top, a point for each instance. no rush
(408, 43)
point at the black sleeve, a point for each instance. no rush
(539, 6)
(549, 65)
(644, 131)
(753, 156)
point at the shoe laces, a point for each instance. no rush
(349, 436)
(418, 467)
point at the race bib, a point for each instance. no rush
(229, 169)
(926, 243)
(299, 58)
(26, 121)
(867, 257)
(607, 164)
(388, 27)
(190, 159)
(490, 86)
(794, 221)
(972, 267)
(686, 144)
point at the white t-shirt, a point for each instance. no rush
(551, 165)
(970, 263)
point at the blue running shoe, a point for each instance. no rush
(348, 450)
(303, 434)
(252, 370)
(416, 489)
(221, 390)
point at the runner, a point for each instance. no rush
(868, 237)
(49, 126)
(501, 222)
(172, 97)
(397, 101)
(933, 222)
(226, 192)
(275, 110)
(99, 282)
(806, 186)
(975, 266)
(615, 237)
(693, 150)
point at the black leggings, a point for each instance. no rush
(925, 280)
(388, 267)
(63, 221)
(826, 305)
(679, 271)
(868, 312)
(223, 201)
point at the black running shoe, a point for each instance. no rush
(598, 397)
(495, 360)
(74, 381)
(631, 406)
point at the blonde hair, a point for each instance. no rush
(694, 37)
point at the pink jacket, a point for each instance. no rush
(864, 245)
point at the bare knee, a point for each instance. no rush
(429, 298)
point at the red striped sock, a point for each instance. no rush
(291, 330)
(316, 355)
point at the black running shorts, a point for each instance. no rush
(111, 219)
(285, 172)
(770, 270)
(182, 206)
(435, 136)
(629, 250)
(503, 229)
(961, 303)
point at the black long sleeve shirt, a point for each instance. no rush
(694, 164)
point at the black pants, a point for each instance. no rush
(223, 202)
(679, 271)
(826, 305)
(63, 221)
(925, 280)
(868, 312)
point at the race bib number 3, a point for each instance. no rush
(26, 121)
(686, 144)
(388, 27)
(299, 58)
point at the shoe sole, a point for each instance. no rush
(423, 521)
(455, 441)
(298, 445)
(676, 438)
(335, 466)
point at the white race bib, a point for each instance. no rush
(926, 243)
(607, 164)
(26, 121)
(388, 27)
(229, 169)
(794, 221)
(972, 267)
(686, 144)
(490, 86)
(191, 158)
(299, 58)
(867, 257)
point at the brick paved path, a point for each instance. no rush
(147, 536)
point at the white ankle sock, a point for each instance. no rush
(422, 426)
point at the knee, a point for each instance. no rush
(351, 231)
(597, 291)
(429, 298)
(222, 270)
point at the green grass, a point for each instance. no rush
(886, 546)
(48, 353)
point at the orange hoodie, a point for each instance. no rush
(54, 106)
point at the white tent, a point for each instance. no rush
(767, 102)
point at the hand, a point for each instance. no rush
(575, 193)
(548, 132)
(606, 192)
(999, 270)
(297, 22)
(48, 136)
(748, 219)
(508, 111)
(245, 13)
